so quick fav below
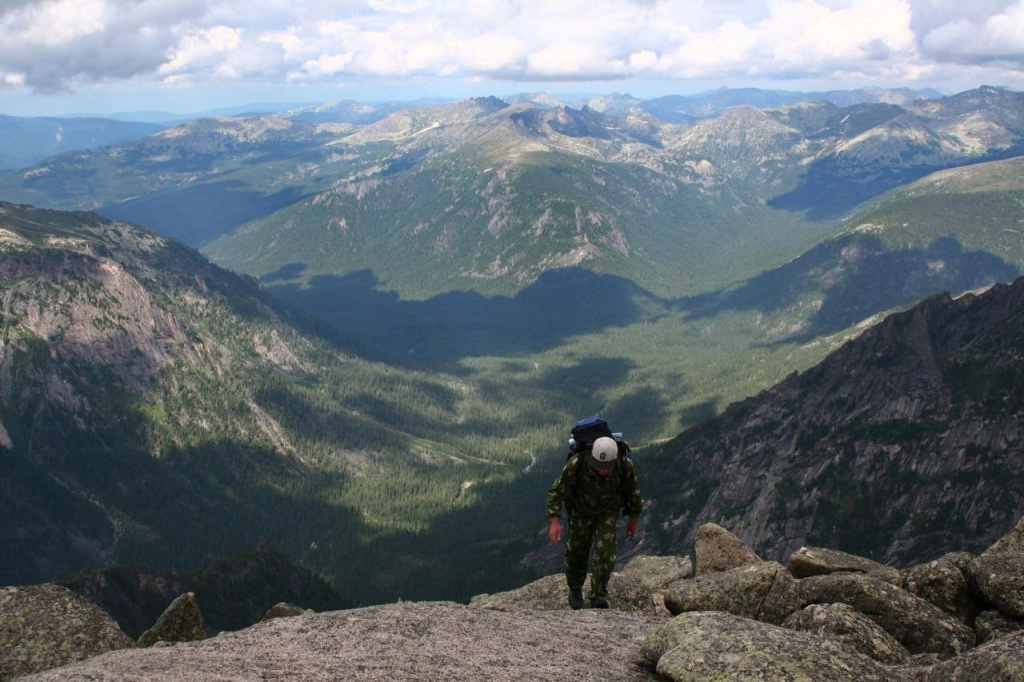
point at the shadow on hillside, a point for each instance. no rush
(829, 288)
(855, 277)
(201, 213)
(446, 328)
(827, 191)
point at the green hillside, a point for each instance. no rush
(463, 221)
(981, 206)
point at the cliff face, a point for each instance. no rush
(902, 445)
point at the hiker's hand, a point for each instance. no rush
(631, 528)
(555, 530)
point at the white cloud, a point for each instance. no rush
(972, 38)
(54, 44)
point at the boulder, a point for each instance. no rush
(942, 582)
(46, 626)
(991, 625)
(720, 646)
(848, 626)
(998, 579)
(180, 622)
(1001, 659)
(550, 593)
(719, 550)
(918, 625)
(764, 591)
(284, 610)
(658, 572)
(811, 561)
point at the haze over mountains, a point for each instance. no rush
(443, 289)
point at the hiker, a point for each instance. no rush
(598, 480)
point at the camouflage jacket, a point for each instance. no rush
(596, 494)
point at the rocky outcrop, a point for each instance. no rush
(625, 593)
(284, 610)
(853, 626)
(46, 626)
(848, 626)
(918, 625)
(999, 660)
(942, 582)
(658, 572)
(719, 550)
(998, 577)
(718, 646)
(763, 591)
(406, 641)
(918, 414)
(181, 622)
(808, 561)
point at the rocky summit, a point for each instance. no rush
(851, 620)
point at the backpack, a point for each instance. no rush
(584, 433)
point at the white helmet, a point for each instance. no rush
(604, 453)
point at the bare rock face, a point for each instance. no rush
(998, 578)
(808, 561)
(46, 626)
(719, 550)
(284, 610)
(405, 641)
(719, 646)
(762, 591)
(991, 625)
(848, 626)
(181, 622)
(918, 625)
(942, 582)
(1002, 659)
(658, 572)
(550, 593)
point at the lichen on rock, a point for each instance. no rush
(180, 622)
(46, 626)
(701, 646)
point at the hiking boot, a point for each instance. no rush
(599, 603)
(576, 598)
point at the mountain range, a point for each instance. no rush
(26, 141)
(442, 289)
(902, 445)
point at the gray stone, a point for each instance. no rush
(404, 641)
(658, 572)
(180, 622)
(1001, 660)
(942, 582)
(811, 561)
(998, 579)
(991, 625)
(720, 646)
(762, 591)
(550, 593)
(46, 626)
(284, 610)
(918, 625)
(848, 626)
(719, 550)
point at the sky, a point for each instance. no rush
(62, 57)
